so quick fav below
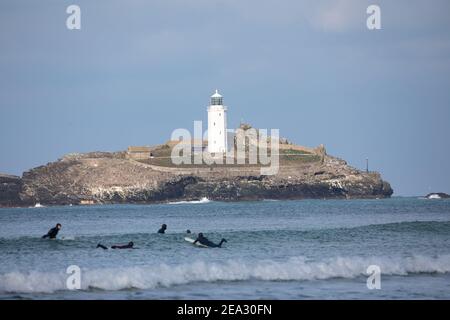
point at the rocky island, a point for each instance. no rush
(437, 195)
(243, 171)
(123, 177)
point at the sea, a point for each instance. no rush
(396, 248)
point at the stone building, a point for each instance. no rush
(138, 152)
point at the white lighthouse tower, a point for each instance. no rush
(217, 124)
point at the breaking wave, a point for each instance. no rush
(150, 277)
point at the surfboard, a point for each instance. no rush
(190, 240)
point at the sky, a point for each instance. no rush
(138, 69)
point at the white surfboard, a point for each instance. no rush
(67, 238)
(190, 240)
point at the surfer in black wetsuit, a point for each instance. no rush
(124, 246)
(163, 228)
(52, 232)
(204, 241)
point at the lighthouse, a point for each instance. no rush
(217, 124)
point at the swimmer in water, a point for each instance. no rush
(204, 241)
(163, 229)
(190, 234)
(52, 232)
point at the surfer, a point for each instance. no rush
(190, 234)
(125, 246)
(117, 246)
(52, 232)
(204, 241)
(163, 228)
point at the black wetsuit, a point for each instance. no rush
(51, 233)
(126, 246)
(204, 241)
(162, 230)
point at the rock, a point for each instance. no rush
(437, 195)
(10, 187)
(111, 178)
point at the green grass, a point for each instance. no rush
(290, 157)
(292, 151)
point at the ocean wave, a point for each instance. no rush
(150, 277)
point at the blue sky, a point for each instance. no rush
(139, 69)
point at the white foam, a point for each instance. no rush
(202, 200)
(294, 269)
(37, 205)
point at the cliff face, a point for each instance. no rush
(110, 178)
(10, 187)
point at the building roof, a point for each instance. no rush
(139, 149)
(216, 95)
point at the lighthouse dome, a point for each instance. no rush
(216, 99)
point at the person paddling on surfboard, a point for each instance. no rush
(124, 246)
(52, 232)
(204, 241)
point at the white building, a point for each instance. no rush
(217, 124)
